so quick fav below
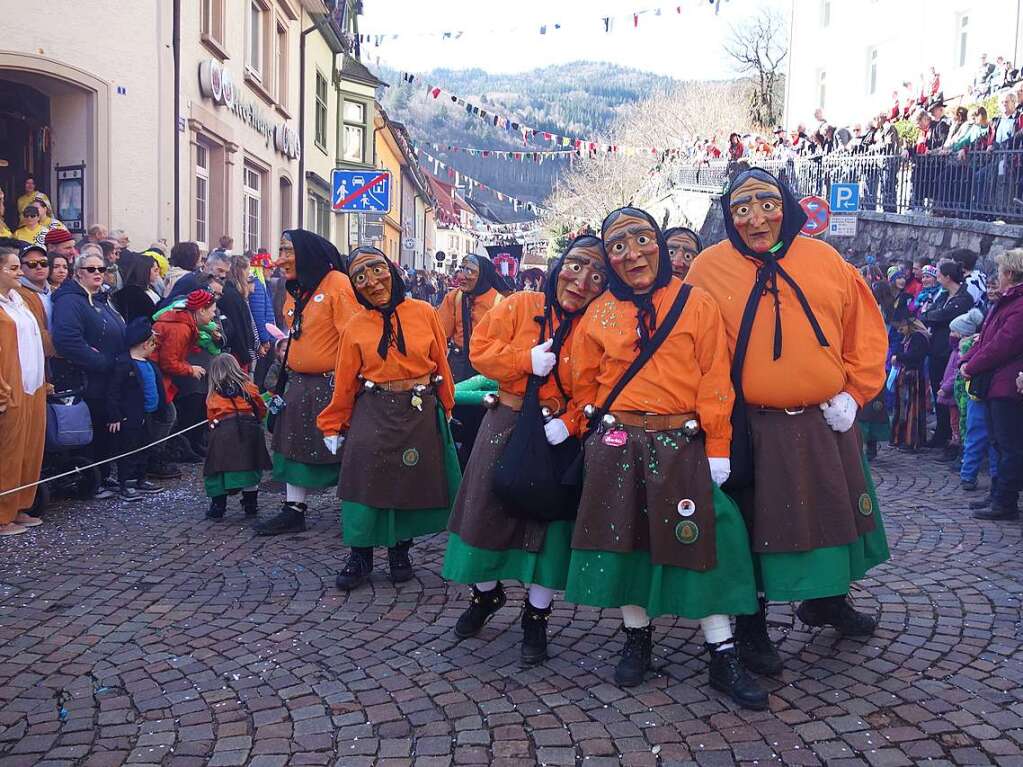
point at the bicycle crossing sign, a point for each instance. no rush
(360, 191)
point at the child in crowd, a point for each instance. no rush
(909, 421)
(976, 443)
(273, 373)
(135, 392)
(236, 454)
(960, 328)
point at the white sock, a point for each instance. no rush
(252, 489)
(635, 617)
(486, 586)
(540, 596)
(294, 493)
(716, 629)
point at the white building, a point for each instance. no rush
(848, 56)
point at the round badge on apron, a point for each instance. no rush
(865, 505)
(687, 531)
(686, 507)
(410, 457)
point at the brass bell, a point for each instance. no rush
(609, 421)
(490, 400)
(437, 380)
(691, 428)
(589, 411)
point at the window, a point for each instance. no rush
(252, 208)
(871, 71)
(212, 24)
(354, 115)
(285, 186)
(822, 78)
(321, 111)
(318, 215)
(254, 60)
(202, 195)
(825, 13)
(281, 64)
(962, 27)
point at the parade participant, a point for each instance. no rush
(811, 353)
(463, 308)
(319, 304)
(684, 245)
(654, 534)
(529, 334)
(393, 396)
(236, 454)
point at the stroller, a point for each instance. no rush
(68, 436)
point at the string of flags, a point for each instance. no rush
(473, 184)
(609, 24)
(505, 154)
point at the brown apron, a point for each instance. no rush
(652, 493)
(393, 453)
(295, 434)
(478, 517)
(809, 490)
(236, 443)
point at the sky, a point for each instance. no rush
(503, 35)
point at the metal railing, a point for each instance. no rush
(981, 185)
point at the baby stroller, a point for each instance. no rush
(68, 436)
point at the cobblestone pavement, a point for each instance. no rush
(142, 634)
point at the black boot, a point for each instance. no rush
(218, 505)
(998, 510)
(400, 562)
(290, 519)
(534, 634)
(357, 570)
(250, 502)
(635, 656)
(756, 650)
(837, 612)
(482, 606)
(728, 676)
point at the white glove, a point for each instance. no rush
(543, 360)
(840, 411)
(720, 470)
(556, 431)
(333, 442)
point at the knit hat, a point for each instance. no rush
(160, 259)
(138, 331)
(262, 258)
(930, 271)
(967, 324)
(198, 299)
(893, 272)
(56, 236)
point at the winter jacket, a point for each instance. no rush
(1000, 346)
(182, 287)
(239, 331)
(126, 400)
(177, 336)
(174, 274)
(87, 333)
(946, 393)
(912, 352)
(261, 306)
(132, 302)
(943, 311)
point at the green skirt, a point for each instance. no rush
(363, 525)
(613, 579)
(548, 567)
(312, 476)
(875, 432)
(221, 484)
(828, 572)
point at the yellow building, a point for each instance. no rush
(389, 157)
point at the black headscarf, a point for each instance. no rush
(646, 314)
(315, 257)
(673, 230)
(770, 268)
(389, 335)
(489, 278)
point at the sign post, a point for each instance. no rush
(845, 203)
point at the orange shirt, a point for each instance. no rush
(333, 304)
(219, 406)
(688, 373)
(425, 354)
(450, 312)
(807, 373)
(501, 345)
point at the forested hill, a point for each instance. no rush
(578, 99)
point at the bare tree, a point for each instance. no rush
(758, 48)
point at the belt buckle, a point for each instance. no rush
(646, 426)
(795, 411)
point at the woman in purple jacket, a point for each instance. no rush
(993, 363)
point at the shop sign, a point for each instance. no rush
(217, 84)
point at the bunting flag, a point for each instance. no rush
(632, 18)
(473, 184)
(506, 154)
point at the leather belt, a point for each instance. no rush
(779, 410)
(403, 384)
(514, 401)
(653, 421)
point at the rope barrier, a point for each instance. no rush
(80, 469)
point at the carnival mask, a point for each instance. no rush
(582, 277)
(682, 249)
(632, 249)
(371, 277)
(757, 210)
(470, 271)
(286, 258)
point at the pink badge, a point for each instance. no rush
(616, 438)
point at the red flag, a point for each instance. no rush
(635, 20)
(435, 92)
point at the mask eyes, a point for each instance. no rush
(598, 278)
(769, 206)
(742, 210)
(574, 267)
(379, 271)
(643, 239)
(360, 279)
(618, 247)
(672, 252)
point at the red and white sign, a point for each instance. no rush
(506, 264)
(818, 215)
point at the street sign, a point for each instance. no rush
(842, 225)
(373, 231)
(845, 198)
(817, 216)
(359, 191)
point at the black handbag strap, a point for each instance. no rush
(282, 379)
(663, 329)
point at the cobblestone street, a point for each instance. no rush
(140, 633)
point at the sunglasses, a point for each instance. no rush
(36, 264)
(94, 269)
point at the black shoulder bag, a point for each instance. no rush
(527, 475)
(574, 475)
(276, 404)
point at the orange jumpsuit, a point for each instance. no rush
(807, 373)
(332, 305)
(425, 355)
(450, 313)
(688, 373)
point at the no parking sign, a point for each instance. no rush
(818, 214)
